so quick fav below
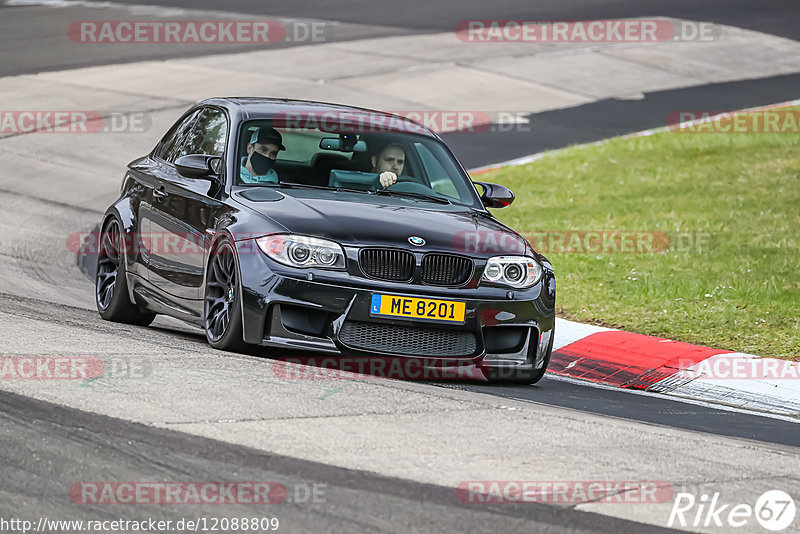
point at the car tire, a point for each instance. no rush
(111, 283)
(222, 312)
(522, 377)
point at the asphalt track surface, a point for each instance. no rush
(656, 410)
(389, 17)
(38, 437)
(25, 51)
(612, 117)
(44, 444)
(34, 47)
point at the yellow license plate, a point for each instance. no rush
(420, 309)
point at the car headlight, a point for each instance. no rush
(514, 271)
(302, 251)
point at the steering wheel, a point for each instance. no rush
(406, 184)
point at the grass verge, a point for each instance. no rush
(729, 205)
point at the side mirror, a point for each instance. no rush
(495, 195)
(200, 166)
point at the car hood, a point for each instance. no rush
(390, 223)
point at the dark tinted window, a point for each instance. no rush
(175, 138)
(321, 158)
(208, 134)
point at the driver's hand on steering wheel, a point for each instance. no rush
(388, 178)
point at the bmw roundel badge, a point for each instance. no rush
(415, 240)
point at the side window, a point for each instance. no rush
(175, 138)
(208, 134)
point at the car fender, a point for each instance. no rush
(250, 307)
(124, 213)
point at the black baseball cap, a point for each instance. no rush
(266, 135)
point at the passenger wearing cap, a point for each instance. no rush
(258, 166)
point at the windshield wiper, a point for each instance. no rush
(388, 192)
(421, 196)
(310, 186)
(305, 186)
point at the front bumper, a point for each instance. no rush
(323, 312)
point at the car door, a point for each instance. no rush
(145, 174)
(182, 211)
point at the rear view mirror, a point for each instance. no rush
(199, 166)
(495, 195)
(342, 144)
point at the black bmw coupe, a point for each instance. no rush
(330, 229)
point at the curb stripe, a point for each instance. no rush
(638, 362)
(625, 359)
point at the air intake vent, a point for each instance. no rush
(445, 270)
(407, 340)
(387, 264)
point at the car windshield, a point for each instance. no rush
(309, 157)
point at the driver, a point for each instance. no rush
(389, 163)
(262, 150)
